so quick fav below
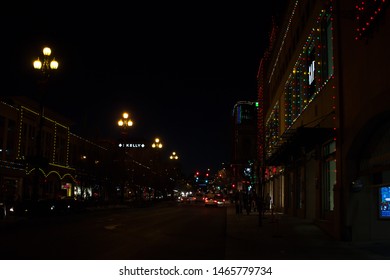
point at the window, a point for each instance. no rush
(245, 113)
(327, 50)
(328, 176)
(311, 68)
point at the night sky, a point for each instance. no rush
(177, 68)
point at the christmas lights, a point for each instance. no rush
(311, 73)
(367, 14)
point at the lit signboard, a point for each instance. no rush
(131, 145)
(384, 202)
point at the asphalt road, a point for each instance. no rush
(162, 232)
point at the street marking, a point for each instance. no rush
(111, 227)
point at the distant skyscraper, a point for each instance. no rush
(244, 131)
(244, 122)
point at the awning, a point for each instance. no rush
(293, 142)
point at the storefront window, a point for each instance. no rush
(328, 176)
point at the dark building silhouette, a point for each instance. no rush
(244, 123)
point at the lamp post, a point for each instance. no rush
(173, 170)
(125, 122)
(156, 164)
(174, 159)
(157, 145)
(45, 68)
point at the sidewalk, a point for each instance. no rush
(281, 237)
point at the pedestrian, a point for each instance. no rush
(254, 201)
(268, 200)
(241, 199)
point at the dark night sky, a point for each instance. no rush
(177, 68)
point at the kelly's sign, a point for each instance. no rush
(131, 145)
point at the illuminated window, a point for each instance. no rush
(311, 68)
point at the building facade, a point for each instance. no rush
(324, 116)
(41, 157)
(243, 159)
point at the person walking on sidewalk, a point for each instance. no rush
(268, 201)
(253, 201)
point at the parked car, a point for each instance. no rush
(20, 208)
(186, 199)
(217, 200)
(45, 207)
(41, 207)
(182, 199)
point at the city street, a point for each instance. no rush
(152, 135)
(183, 232)
(171, 231)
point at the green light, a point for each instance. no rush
(257, 104)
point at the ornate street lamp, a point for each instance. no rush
(174, 156)
(46, 66)
(157, 143)
(125, 121)
(174, 166)
(156, 164)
